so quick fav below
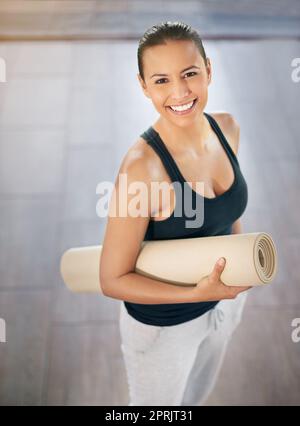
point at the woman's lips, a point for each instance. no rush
(186, 112)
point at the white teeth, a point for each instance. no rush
(182, 107)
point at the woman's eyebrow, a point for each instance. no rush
(160, 75)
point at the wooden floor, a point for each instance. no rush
(68, 113)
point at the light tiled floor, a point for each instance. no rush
(68, 114)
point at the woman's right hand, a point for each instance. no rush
(211, 288)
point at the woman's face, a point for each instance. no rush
(186, 78)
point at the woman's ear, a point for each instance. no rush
(208, 70)
(143, 86)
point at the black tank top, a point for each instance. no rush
(220, 213)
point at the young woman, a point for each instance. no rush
(173, 337)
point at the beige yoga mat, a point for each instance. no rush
(251, 260)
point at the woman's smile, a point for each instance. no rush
(183, 109)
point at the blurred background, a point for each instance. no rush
(70, 107)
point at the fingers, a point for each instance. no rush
(239, 288)
(218, 269)
(235, 290)
(243, 288)
(215, 277)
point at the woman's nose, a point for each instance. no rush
(180, 91)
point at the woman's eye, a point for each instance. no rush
(157, 82)
(161, 79)
(191, 72)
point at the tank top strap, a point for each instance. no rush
(222, 137)
(155, 141)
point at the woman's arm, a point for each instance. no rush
(237, 227)
(121, 246)
(231, 130)
(135, 288)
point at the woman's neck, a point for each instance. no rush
(178, 138)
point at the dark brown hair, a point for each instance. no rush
(158, 34)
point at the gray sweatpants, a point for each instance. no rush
(179, 364)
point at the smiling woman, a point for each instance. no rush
(174, 338)
(182, 92)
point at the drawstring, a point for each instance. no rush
(217, 316)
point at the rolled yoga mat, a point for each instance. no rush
(251, 260)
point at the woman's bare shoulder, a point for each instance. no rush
(143, 160)
(229, 127)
